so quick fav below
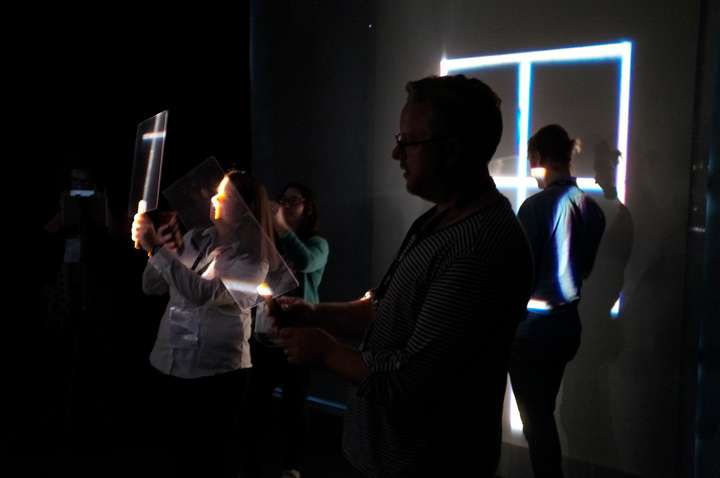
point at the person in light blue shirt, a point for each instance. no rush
(564, 227)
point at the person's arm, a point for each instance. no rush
(447, 332)
(317, 347)
(532, 223)
(307, 256)
(340, 319)
(451, 328)
(153, 282)
(144, 232)
(191, 286)
(535, 231)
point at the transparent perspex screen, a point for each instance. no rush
(190, 195)
(147, 164)
(240, 253)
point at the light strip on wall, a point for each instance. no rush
(623, 117)
(607, 51)
(516, 423)
(524, 88)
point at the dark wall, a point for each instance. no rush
(703, 302)
(91, 83)
(311, 72)
(328, 81)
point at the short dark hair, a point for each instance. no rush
(552, 143)
(465, 107)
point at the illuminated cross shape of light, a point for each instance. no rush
(525, 61)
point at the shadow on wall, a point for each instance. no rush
(624, 385)
(587, 400)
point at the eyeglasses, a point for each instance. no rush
(291, 201)
(402, 142)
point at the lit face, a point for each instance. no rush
(293, 204)
(225, 204)
(422, 164)
(537, 169)
(219, 200)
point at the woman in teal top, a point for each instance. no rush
(295, 223)
(304, 250)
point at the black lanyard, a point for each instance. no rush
(201, 255)
(421, 228)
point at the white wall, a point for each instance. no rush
(631, 422)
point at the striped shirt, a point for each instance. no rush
(438, 349)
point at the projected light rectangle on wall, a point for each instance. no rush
(524, 65)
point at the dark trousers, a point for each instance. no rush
(537, 365)
(271, 370)
(200, 423)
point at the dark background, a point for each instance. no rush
(310, 91)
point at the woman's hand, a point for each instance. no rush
(143, 231)
(279, 223)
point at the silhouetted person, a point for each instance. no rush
(444, 315)
(564, 227)
(78, 236)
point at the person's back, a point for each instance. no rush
(564, 226)
(429, 418)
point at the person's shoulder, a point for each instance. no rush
(316, 239)
(591, 203)
(537, 198)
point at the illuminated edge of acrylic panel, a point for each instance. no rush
(525, 61)
(154, 136)
(521, 182)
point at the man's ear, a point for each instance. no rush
(452, 152)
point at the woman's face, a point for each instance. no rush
(225, 205)
(293, 204)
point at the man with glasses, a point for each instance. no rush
(436, 332)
